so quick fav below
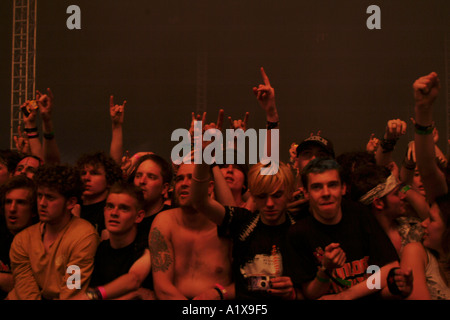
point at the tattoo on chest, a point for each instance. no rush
(161, 257)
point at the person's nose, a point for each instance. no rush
(269, 202)
(142, 180)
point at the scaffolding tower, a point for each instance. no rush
(23, 60)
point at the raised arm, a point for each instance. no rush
(200, 185)
(372, 144)
(265, 94)
(117, 115)
(222, 191)
(395, 128)
(426, 90)
(29, 113)
(22, 142)
(50, 148)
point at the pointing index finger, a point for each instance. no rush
(265, 77)
(220, 119)
(246, 119)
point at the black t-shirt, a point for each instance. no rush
(257, 251)
(360, 236)
(146, 224)
(109, 263)
(94, 213)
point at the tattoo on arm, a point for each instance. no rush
(161, 257)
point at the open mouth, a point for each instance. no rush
(113, 222)
(184, 193)
(12, 219)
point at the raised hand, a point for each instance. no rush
(197, 117)
(212, 125)
(29, 113)
(239, 124)
(373, 144)
(265, 95)
(426, 89)
(21, 141)
(395, 129)
(116, 111)
(45, 103)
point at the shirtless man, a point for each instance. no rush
(189, 260)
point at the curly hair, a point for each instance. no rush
(113, 171)
(367, 177)
(64, 179)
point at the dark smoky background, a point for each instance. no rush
(329, 71)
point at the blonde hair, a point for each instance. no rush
(269, 184)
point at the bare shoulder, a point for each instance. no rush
(415, 251)
(165, 218)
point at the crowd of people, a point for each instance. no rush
(324, 226)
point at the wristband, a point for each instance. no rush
(388, 144)
(324, 270)
(409, 165)
(101, 293)
(32, 135)
(424, 130)
(49, 136)
(30, 130)
(405, 189)
(222, 291)
(271, 125)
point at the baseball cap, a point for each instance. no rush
(316, 140)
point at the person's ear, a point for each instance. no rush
(378, 204)
(140, 216)
(165, 189)
(70, 203)
(210, 187)
(344, 188)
